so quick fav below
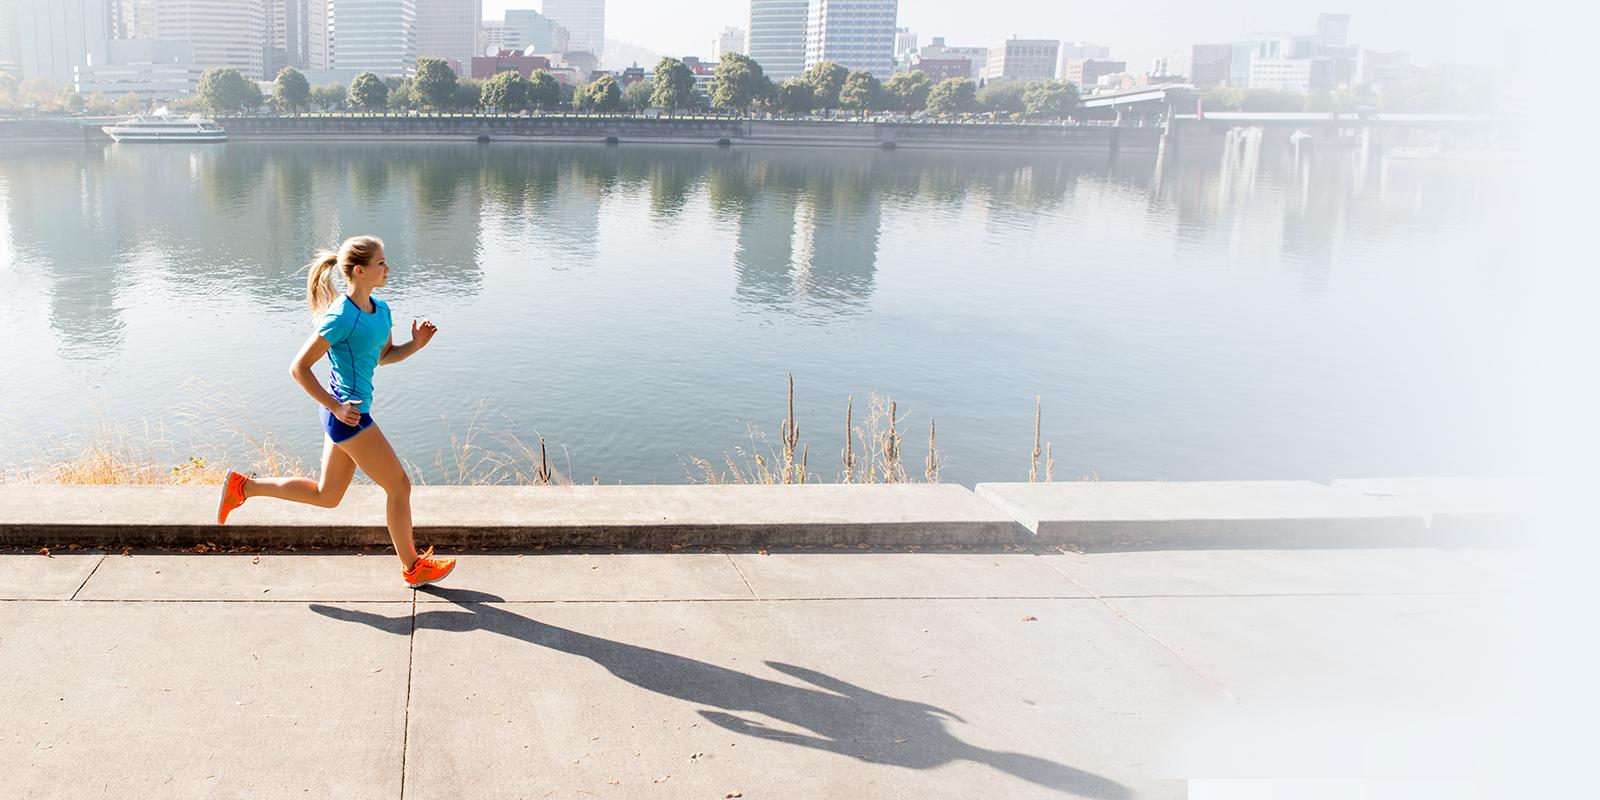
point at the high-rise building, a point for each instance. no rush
(491, 37)
(905, 42)
(777, 38)
(131, 19)
(585, 21)
(1209, 65)
(379, 36)
(1333, 29)
(317, 34)
(731, 40)
(48, 38)
(1022, 60)
(286, 37)
(526, 29)
(9, 44)
(855, 34)
(449, 29)
(223, 33)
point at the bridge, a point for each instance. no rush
(1180, 102)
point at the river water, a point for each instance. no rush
(1231, 316)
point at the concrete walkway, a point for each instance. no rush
(789, 675)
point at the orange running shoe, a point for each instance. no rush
(232, 496)
(428, 569)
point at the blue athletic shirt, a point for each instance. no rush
(356, 340)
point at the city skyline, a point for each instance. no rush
(1431, 31)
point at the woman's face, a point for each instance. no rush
(376, 273)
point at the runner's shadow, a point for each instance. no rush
(835, 716)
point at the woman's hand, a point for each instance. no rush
(348, 413)
(422, 332)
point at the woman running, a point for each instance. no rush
(354, 332)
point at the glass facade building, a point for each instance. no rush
(379, 36)
(585, 21)
(449, 29)
(776, 38)
(856, 34)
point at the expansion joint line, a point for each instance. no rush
(1140, 628)
(405, 724)
(747, 585)
(87, 577)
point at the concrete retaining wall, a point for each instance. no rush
(1086, 515)
(1068, 139)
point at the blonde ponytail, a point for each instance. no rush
(320, 292)
(356, 251)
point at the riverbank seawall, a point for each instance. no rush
(709, 131)
(1089, 515)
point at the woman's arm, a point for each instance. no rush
(421, 333)
(300, 370)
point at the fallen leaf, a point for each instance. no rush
(762, 551)
(377, 669)
(734, 793)
(128, 552)
(1030, 618)
(255, 560)
(73, 546)
(594, 566)
(45, 551)
(613, 782)
(663, 778)
(200, 548)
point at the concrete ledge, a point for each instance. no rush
(631, 516)
(1454, 509)
(1099, 515)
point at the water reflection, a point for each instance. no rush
(62, 226)
(1036, 255)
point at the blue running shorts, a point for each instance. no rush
(340, 432)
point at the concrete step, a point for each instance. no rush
(496, 516)
(1095, 515)
(1461, 509)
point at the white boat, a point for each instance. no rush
(166, 129)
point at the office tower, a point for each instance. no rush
(777, 38)
(1022, 60)
(223, 33)
(585, 21)
(379, 36)
(731, 40)
(855, 34)
(317, 34)
(1209, 65)
(48, 38)
(524, 29)
(449, 29)
(1333, 29)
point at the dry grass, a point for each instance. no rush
(477, 456)
(506, 461)
(872, 451)
(115, 455)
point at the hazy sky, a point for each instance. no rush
(1433, 30)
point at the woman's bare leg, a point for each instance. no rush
(372, 453)
(337, 470)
